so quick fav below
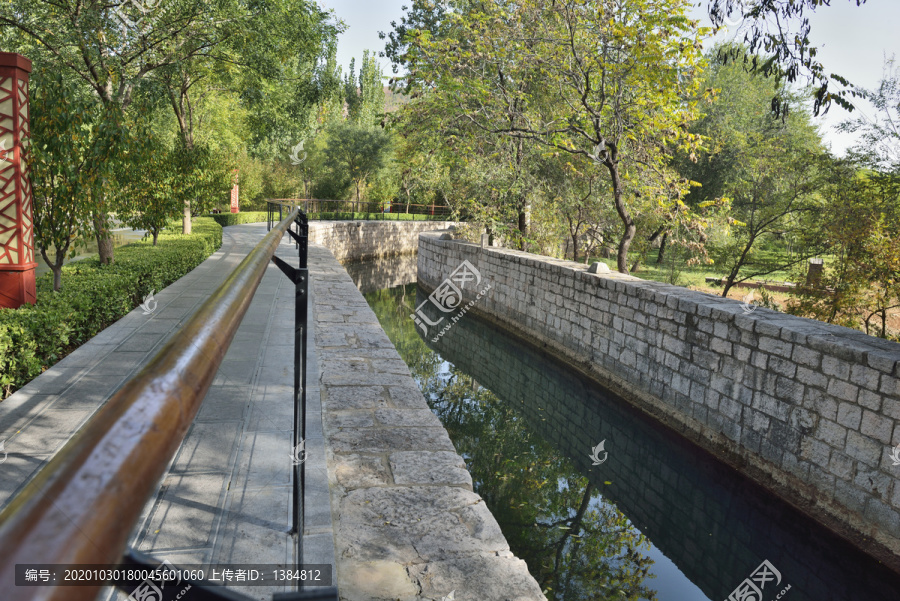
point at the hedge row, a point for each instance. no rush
(32, 338)
(226, 219)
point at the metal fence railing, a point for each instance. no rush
(81, 507)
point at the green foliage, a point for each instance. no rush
(861, 284)
(765, 168)
(73, 141)
(226, 219)
(365, 98)
(33, 338)
(498, 83)
(359, 152)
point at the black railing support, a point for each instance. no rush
(300, 277)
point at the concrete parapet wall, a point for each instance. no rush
(807, 409)
(360, 240)
(408, 524)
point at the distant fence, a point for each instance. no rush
(361, 209)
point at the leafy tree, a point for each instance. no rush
(614, 84)
(879, 145)
(365, 97)
(768, 169)
(863, 283)
(778, 50)
(72, 141)
(862, 199)
(422, 17)
(360, 152)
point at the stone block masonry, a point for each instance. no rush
(361, 240)
(407, 524)
(809, 410)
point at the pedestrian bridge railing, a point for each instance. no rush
(80, 509)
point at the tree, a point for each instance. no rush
(73, 139)
(862, 199)
(357, 151)
(769, 170)
(778, 51)
(863, 282)
(879, 146)
(365, 96)
(116, 47)
(614, 84)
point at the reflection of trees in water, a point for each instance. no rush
(577, 545)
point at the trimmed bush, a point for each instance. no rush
(32, 338)
(226, 219)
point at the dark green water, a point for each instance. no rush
(658, 519)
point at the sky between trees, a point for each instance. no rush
(852, 42)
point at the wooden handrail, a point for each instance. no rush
(81, 507)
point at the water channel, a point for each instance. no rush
(650, 516)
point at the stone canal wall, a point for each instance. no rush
(361, 240)
(701, 514)
(407, 524)
(811, 411)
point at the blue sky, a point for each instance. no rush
(852, 41)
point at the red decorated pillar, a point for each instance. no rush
(16, 202)
(234, 194)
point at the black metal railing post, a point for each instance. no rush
(300, 277)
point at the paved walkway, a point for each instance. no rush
(227, 495)
(410, 527)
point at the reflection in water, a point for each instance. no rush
(379, 274)
(658, 519)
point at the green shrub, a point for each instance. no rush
(32, 338)
(226, 219)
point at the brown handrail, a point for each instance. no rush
(81, 507)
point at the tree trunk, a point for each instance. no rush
(155, 236)
(523, 227)
(185, 220)
(104, 240)
(662, 249)
(729, 282)
(630, 229)
(56, 265)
